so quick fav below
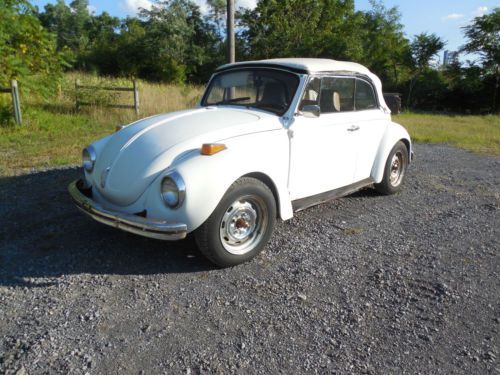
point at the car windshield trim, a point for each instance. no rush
(233, 100)
(281, 86)
(285, 68)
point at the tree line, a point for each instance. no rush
(175, 42)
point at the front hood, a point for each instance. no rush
(134, 156)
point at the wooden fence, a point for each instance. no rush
(16, 103)
(133, 89)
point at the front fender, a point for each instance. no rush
(207, 178)
(393, 134)
(98, 147)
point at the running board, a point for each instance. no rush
(303, 203)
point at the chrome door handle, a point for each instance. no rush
(353, 128)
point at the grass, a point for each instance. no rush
(53, 133)
(474, 133)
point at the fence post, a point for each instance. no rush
(136, 98)
(16, 102)
(77, 104)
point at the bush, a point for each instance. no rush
(28, 51)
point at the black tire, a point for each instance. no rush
(246, 213)
(395, 170)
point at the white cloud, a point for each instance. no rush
(481, 11)
(238, 3)
(92, 9)
(134, 5)
(246, 4)
(203, 6)
(453, 16)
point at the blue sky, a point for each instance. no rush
(443, 17)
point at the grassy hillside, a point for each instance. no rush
(53, 133)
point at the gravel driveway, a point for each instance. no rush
(367, 284)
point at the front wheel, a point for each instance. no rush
(240, 226)
(395, 170)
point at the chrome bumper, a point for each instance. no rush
(153, 228)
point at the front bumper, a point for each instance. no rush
(153, 228)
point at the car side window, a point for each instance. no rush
(337, 94)
(365, 97)
(311, 93)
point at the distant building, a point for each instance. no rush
(449, 57)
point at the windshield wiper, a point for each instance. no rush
(234, 100)
(271, 107)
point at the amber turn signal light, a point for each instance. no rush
(212, 148)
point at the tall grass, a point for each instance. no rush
(154, 98)
(54, 132)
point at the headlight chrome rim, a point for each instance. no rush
(178, 182)
(89, 157)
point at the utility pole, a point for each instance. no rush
(231, 54)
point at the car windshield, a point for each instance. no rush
(268, 89)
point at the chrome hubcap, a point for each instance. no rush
(397, 169)
(243, 225)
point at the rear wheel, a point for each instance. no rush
(240, 226)
(395, 170)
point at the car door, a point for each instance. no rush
(322, 156)
(371, 122)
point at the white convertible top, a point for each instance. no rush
(311, 65)
(307, 64)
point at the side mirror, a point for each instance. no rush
(311, 110)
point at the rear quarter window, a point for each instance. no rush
(365, 96)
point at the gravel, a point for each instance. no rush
(367, 284)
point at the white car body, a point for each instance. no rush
(304, 160)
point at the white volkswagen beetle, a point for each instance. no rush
(268, 138)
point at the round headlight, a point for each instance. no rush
(173, 190)
(88, 158)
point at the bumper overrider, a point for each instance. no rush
(147, 227)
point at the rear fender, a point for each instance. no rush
(393, 134)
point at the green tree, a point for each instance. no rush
(386, 51)
(424, 48)
(103, 35)
(217, 15)
(210, 47)
(72, 25)
(57, 19)
(125, 55)
(176, 44)
(467, 89)
(28, 50)
(483, 36)
(310, 28)
(166, 41)
(429, 91)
